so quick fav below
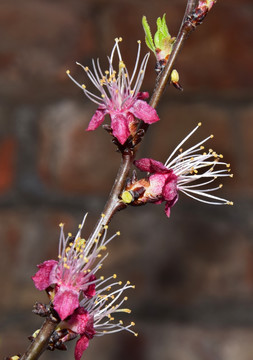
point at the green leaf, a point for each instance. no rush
(148, 35)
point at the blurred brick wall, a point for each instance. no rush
(193, 272)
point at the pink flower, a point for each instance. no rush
(120, 96)
(188, 172)
(72, 276)
(94, 316)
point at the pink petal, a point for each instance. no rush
(152, 166)
(65, 302)
(119, 124)
(142, 95)
(90, 291)
(81, 346)
(42, 277)
(157, 182)
(79, 320)
(96, 119)
(144, 111)
(167, 210)
(170, 188)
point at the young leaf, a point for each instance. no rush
(148, 35)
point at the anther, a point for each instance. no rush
(83, 86)
(61, 224)
(114, 276)
(68, 72)
(139, 41)
(133, 323)
(106, 227)
(102, 215)
(118, 233)
(199, 124)
(211, 136)
(86, 68)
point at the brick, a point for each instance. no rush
(71, 159)
(7, 163)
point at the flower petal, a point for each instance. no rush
(42, 277)
(81, 346)
(170, 188)
(152, 166)
(65, 302)
(144, 111)
(142, 95)
(90, 291)
(120, 128)
(96, 119)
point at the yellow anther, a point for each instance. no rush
(102, 215)
(121, 65)
(120, 282)
(65, 259)
(174, 76)
(36, 333)
(128, 311)
(106, 227)
(112, 296)
(127, 197)
(133, 323)
(118, 233)
(136, 334)
(114, 276)
(133, 286)
(61, 224)
(139, 41)
(128, 282)
(202, 147)
(211, 136)
(83, 86)
(99, 255)
(106, 73)
(59, 256)
(220, 186)
(81, 256)
(228, 165)
(96, 240)
(231, 175)
(80, 226)
(109, 288)
(102, 277)
(86, 68)
(14, 357)
(103, 96)
(89, 270)
(125, 298)
(67, 249)
(65, 266)
(199, 124)
(86, 260)
(68, 72)
(120, 39)
(99, 234)
(121, 322)
(221, 156)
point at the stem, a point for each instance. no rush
(39, 344)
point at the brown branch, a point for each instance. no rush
(39, 344)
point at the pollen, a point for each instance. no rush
(136, 334)
(133, 323)
(61, 224)
(199, 124)
(114, 276)
(102, 277)
(68, 72)
(83, 86)
(102, 215)
(86, 68)
(106, 227)
(118, 233)
(211, 136)
(139, 41)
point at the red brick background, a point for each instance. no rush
(194, 271)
